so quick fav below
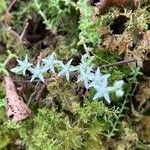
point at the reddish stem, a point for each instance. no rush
(11, 5)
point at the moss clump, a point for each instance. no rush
(63, 94)
(48, 128)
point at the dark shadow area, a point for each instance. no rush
(119, 24)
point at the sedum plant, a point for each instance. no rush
(55, 13)
(89, 23)
(85, 70)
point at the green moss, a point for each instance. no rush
(48, 128)
(8, 39)
(3, 6)
(2, 91)
(24, 12)
(7, 135)
(103, 56)
(63, 123)
(63, 94)
(55, 14)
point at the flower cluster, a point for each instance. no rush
(86, 74)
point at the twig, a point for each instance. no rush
(18, 37)
(11, 5)
(34, 81)
(23, 32)
(120, 63)
(33, 94)
(6, 61)
(12, 32)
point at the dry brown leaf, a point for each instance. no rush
(104, 5)
(120, 43)
(16, 109)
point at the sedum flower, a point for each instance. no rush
(22, 67)
(100, 83)
(67, 69)
(49, 62)
(98, 78)
(102, 90)
(85, 76)
(118, 88)
(37, 72)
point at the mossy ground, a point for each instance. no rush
(64, 116)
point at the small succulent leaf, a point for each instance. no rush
(107, 98)
(33, 77)
(86, 83)
(97, 95)
(49, 67)
(110, 88)
(86, 62)
(67, 76)
(62, 72)
(69, 63)
(17, 70)
(40, 76)
(97, 73)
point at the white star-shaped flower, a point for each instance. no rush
(67, 69)
(86, 62)
(37, 72)
(23, 66)
(103, 91)
(49, 62)
(85, 76)
(98, 78)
